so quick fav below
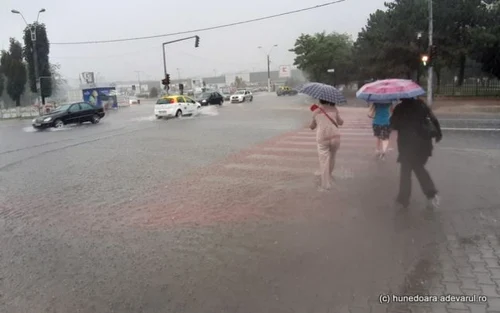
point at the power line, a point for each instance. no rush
(201, 29)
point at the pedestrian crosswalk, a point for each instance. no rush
(243, 184)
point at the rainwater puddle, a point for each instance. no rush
(144, 119)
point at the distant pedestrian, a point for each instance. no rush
(326, 121)
(417, 126)
(381, 114)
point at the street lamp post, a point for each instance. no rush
(268, 67)
(431, 71)
(34, 50)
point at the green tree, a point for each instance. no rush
(389, 45)
(153, 93)
(486, 41)
(58, 82)
(369, 47)
(239, 83)
(42, 54)
(15, 70)
(2, 81)
(316, 54)
(454, 22)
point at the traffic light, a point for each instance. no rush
(197, 41)
(181, 88)
(425, 60)
(166, 80)
(133, 87)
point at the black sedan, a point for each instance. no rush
(74, 113)
(209, 98)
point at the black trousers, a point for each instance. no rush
(423, 176)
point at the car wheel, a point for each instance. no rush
(95, 119)
(251, 99)
(158, 117)
(221, 102)
(58, 124)
(178, 113)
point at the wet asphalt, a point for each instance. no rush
(65, 247)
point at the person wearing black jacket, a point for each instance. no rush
(416, 125)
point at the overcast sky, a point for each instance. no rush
(228, 50)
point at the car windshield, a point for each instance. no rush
(204, 95)
(62, 108)
(240, 92)
(165, 101)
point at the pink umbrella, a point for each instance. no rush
(389, 90)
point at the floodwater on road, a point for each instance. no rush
(221, 214)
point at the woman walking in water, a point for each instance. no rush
(326, 121)
(416, 126)
(381, 114)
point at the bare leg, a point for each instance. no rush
(385, 145)
(333, 152)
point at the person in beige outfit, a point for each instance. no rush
(326, 121)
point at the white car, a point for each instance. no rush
(133, 100)
(170, 106)
(242, 96)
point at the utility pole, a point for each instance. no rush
(33, 30)
(431, 70)
(268, 59)
(268, 74)
(139, 79)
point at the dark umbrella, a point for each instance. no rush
(323, 92)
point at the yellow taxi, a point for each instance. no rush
(175, 106)
(285, 90)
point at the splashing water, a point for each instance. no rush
(29, 129)
(208, 111)
(144, 118)
(203, 111)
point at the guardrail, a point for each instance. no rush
(19, 112)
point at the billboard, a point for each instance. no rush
(101, 97)
(285, 71)
(87, 78)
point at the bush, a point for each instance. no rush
(153, 93)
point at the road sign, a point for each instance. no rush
(285, 71)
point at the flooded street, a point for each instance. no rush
(219, 212)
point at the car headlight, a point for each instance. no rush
(34, 120)
(47, 119)
(203, 100)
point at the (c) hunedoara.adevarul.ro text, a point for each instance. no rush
(390, 298)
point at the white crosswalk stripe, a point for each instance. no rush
(296, 154)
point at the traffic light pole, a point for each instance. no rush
(174, 41)
(431, 70)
